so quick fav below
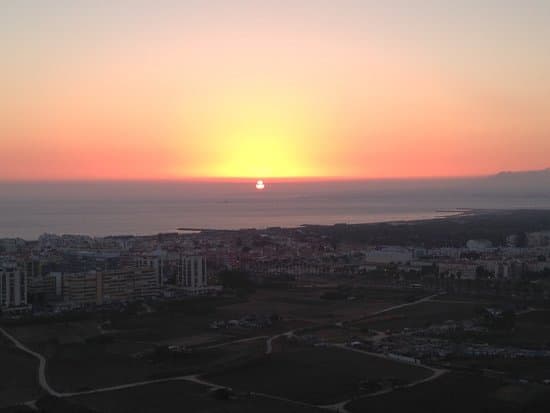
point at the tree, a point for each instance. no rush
(507, 320)
(236, 279)
(521, 240)
(482, 273)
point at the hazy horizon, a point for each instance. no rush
(103, 208)
(320, 179)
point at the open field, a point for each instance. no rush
(16, 409)
(125, 347)
(315, 375)
(106, 346)
(84, 367)
(531, 330)
(18, 382)
(420, 315)
(534, 328)
(306, 303)
(334, 334)
(184, 397)
(80, 357)
(187, 321)
(456, 393)
(529, 369)
(61, 332)
(85, 364)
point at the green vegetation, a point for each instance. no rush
(453, 231)
(237, 280)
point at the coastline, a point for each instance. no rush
(451, 215)
(445, 215)
(459, 212)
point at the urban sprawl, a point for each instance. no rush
(467, 304)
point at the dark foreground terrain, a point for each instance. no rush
(382, 340)
(303, 362)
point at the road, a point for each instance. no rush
(378, 337)
(228, 343)
(341, 406)
(190, 378)
(284, 399)
(42, 381)
(436, 372)
(398, 306)
(269, 342)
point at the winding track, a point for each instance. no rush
(336, 407)
(41, 367)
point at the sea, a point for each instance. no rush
(101, 208)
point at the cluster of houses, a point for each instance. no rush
(71, 270)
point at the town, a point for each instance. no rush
(219, 309)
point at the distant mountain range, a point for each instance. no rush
(541, 173)
(523, 181)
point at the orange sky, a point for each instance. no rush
(143, 91)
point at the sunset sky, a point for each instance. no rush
(136, 89)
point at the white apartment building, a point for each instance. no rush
(192, 274)
(464, 270)
(98, 287)
(13, 287)
(155, 260)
